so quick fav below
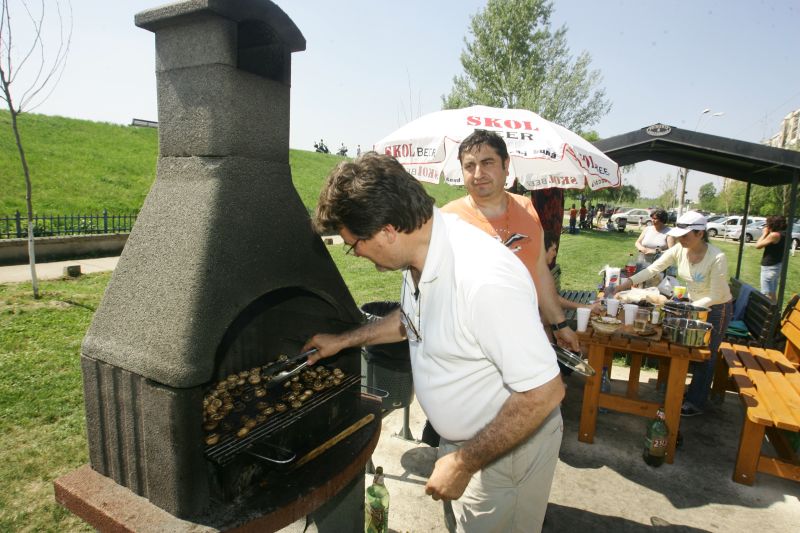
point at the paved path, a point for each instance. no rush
(55, 270)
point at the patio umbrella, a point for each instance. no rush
(543, 154)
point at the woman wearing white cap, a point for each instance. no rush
(703, 269)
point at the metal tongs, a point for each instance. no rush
(279, 371)
(573, 361)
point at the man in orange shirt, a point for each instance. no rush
(573, 219)
(510, 218)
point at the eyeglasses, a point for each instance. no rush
(690, 226)
(351, 250)
(411, 331)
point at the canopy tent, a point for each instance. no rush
(729, 158)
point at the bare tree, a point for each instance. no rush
(41, 65)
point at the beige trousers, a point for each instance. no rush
(511, 493)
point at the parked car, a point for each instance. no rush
(633, 216)
(716, 228)
(752, 232)
(716, 218)
(733, 225)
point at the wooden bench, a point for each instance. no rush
(768, 382)
(758, 316)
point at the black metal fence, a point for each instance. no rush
(16, 226)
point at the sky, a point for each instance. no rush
(370, 66)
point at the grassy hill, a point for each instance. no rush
(79, 166)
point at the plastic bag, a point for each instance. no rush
(666, 285)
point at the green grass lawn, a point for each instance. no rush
(82, 167)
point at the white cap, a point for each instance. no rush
(687, 222)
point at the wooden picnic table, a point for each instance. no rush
(600, 353)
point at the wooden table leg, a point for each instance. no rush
(663, 370)
(673, 399)
(591, 393)
(633, 375)
(749, 452)
(721, 379)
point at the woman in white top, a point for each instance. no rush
(655, 236)
(703, 269)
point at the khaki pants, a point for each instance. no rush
(511, 493)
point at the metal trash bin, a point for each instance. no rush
(387, 366)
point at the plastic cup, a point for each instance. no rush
(583, 318)
(612, 306)
(642, 320)
(630, 313)
(679, 291)
(655, 316)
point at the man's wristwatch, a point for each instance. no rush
(561, 325)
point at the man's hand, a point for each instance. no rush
(326, 344)
(568, 338)
(449, 479)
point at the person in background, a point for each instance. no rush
(484, 371)
(601, 211)
(509, 218)
(358, 151)
(654, 237)
(591, 216)
(582, 214)
(772, 241)
(703, 269)
(573, 218)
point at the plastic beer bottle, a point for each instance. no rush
(655, 442)
(630, 267)
(376, 508)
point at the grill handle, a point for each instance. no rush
(380, 393)
(258, 452)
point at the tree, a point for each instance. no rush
(38, 82)
(707, 196)
(514, 60)
(668, 191)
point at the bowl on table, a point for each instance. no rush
(687, 332)
(686, 310)
(606, 325)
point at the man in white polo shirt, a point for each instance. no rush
(484, 371)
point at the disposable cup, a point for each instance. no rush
(642, 320)
(612, 306)
(630, 313)
(655, 317)
(583, 318)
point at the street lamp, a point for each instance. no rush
(704, 113)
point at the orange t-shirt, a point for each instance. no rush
(519, 229)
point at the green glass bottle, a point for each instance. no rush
(655, 442)
(376, 507)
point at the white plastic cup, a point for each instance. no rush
(655, 317)
(583, 318)
(612, 306)
(630, 313)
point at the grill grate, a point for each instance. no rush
(230, 446)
